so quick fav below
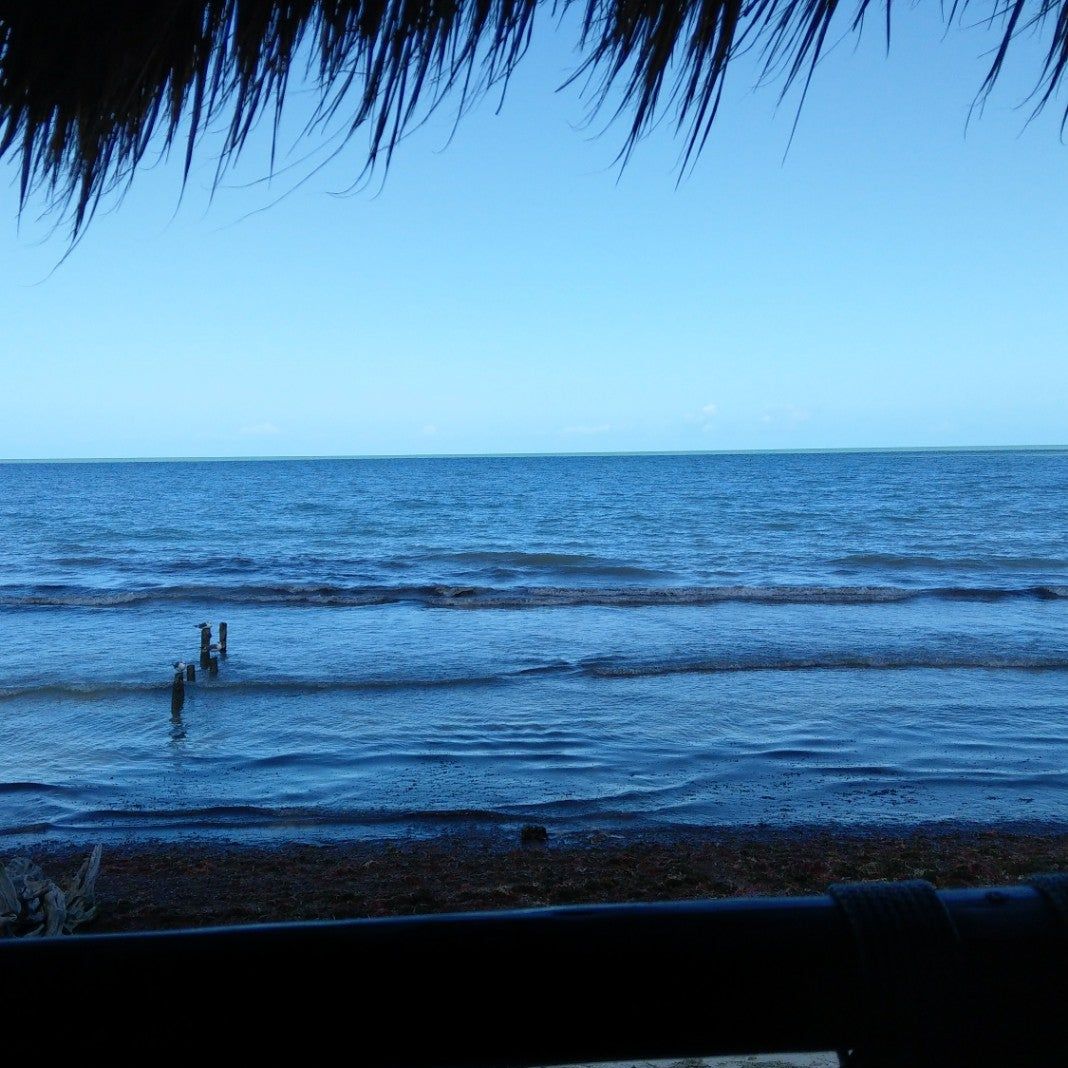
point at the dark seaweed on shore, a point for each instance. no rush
(144, 887)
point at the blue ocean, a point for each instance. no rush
(627, 643)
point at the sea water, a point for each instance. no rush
(618, 642)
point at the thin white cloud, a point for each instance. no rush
(702, 416)
(430, 428)
(600, 428)
(704, 419)
(786, 415)
(259, 430)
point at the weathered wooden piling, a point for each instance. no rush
(205, 644)
(222, 639)
(190, 673)
(178, 691)
(213, 666)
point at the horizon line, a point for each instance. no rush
(281, 458)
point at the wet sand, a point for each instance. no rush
(196, 884)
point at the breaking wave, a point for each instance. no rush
(92, 691)
(599, 667)
(909, 562)
(489, 597)
(609, 668)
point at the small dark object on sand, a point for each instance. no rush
(533, 834)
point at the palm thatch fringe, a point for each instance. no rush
(87, 85)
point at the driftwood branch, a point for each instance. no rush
(31, 904)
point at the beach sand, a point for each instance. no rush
(195, 883)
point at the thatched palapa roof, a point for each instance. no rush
(87, 86)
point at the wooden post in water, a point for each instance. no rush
(222, 640)
(205, 644)
(213, 666)
(178, 689)
(190, 673)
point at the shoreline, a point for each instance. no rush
(145, 885)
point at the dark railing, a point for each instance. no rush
(556, 986)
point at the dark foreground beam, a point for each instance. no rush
(549, 986)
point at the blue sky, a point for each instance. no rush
(896, 279)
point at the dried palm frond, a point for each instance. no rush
(86, 85)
